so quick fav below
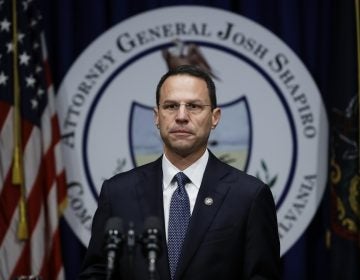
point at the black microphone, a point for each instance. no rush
(113, 239)
(151, 241)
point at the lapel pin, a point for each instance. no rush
(208, 201)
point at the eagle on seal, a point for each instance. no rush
(189, 54)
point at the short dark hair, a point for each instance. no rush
(193, 71)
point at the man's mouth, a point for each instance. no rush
(181, 131)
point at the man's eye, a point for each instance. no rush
(171, 106)
(193, 106)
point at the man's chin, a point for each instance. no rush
(183, 149)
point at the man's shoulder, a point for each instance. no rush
(137, 172)
(234, 175)
(216, 162)
(244, 177)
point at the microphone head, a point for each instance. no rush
(152, 236)
(152, 223)
(114, 224)
(113, 234)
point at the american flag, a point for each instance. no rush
(29, 235)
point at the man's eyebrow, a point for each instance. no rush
(185, 101)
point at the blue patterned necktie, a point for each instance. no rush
(179, 217)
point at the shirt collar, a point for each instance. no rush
(194, 172)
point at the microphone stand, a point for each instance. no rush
(152, 265)
(131, 243)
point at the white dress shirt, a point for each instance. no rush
(194, 172)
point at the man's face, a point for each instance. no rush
(184, 128)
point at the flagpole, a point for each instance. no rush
(357, 16)
(17, 171)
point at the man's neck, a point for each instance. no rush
(183, 161)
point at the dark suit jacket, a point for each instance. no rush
(234, 238)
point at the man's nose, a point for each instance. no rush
(182, 113)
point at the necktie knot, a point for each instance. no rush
(181, 180)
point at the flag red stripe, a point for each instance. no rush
(53, 263)
(35, 201)
(49, 170)
(60, 178)
(55, 130)
(4, 109)
(26, 130)
(23, 264)
(61, 192)
(47, 73)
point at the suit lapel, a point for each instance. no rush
(149, 190)
(150, 196)
(203, 214)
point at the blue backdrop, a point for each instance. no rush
(321, 32)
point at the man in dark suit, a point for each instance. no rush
(217, 221)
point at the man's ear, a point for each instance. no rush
(156, 117)
(216, 115)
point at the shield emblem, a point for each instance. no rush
(230, 141)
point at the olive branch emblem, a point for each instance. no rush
(120, 164)
(266, 177)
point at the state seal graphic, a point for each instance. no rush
(273, 124)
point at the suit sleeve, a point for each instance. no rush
(262, 253)
(93, 267)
